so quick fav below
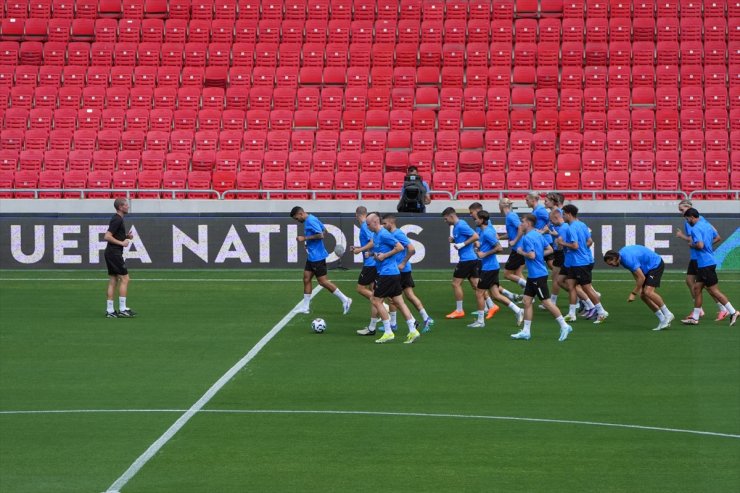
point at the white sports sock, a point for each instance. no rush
(489, 303)
(459, 305)
(527, 326)
(373, 323)
(522, 282)
(109, 307)
(122, 303)
(513, 307)
(387, 326)
(589, 304)
(599, 309)
(424, 314)
(340, 295)
(508, 294)
(394, 317)
(412, 324)
(730, 308)
(696, 313)
(554, 299)
(572, 310)
(306, 299)
(561, 321)
(660, 316)
(666, 312)
(481, 314)
(721, 307)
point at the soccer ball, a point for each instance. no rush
(318, 325)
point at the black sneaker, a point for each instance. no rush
(126, 314)
(111, 314)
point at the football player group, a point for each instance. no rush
(549, 241)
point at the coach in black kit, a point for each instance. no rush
(117, 239)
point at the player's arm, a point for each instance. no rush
(639, 282)
(360, 249)
(681, 235)
(548, 250)
(108, 236)
(316, 236)
(696, 243)
(410, 251)
(589, 242)
(572, 245)
(717, 238)
(468, 241)
(396, 249)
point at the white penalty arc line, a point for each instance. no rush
(198, 406)
(384, 413)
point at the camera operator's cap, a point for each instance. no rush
(505, 202)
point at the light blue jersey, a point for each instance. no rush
(704, 232)
(578, 232)
(384, 242)
(535, 242)
(316, 249)
(488, 242)
(543, 219)
(512, 228)
(635, 257)
(401, 237)
(365, 236)
(460, 233)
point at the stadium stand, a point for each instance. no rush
(324, 94)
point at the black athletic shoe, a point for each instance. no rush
(126, 314)
(111, 314)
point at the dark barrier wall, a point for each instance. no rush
(258, 241)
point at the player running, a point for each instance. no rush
(647, 268)
(117, 239)
(369, 272)
(691, 271)
(534, 249)
(490, 307)
(702, 240)
(403, 259)
(489, 247)
(515, 263)
(463, 238)
(313, 237)
(388, 283)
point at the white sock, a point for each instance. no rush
(340, 295)
(306, 300)
(459, 306)
(599, 309)
(730, 308)
(412, 324)
(387, 326)
(696, 313)
(394, 317)
(373, 323)
(527, 326)
(589, 304)
(514, 308)
(554, 299)
(122, 303)
(109, 306)
(572, 310)
(721, 307)
(424, 314)
(489, 303)
(660, 316)
(561, 321)
(508, 294)
(666, 312)
(481, 314)
(522, 282)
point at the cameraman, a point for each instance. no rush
(415, 192)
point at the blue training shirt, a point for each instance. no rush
(401, 237)
(543, 219)
(578, 231)
(488, 242)
(316, 249)
(512, 227)
(384, 242)
(535, 242)
(561, 231)
(365, 236)
(635, 257)
(460, 233)
(687, 229)
(704, 232)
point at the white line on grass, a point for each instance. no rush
(265, 279)
(385, 413)
(198, 406)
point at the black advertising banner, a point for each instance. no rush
(269, 240)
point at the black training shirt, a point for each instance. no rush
(118, 229)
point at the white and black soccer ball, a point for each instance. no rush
(318, 325)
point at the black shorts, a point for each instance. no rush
(550, 257)
(407, 280)
(388, 286)
(515, 261)
(558, 258)
(467, 269)
(564, 271)
(367, 276)
(693, 268)
(488, 279)
(115, 263)
(707, 276)
(581, 273)
(537, 287)
(318, 267)
(652, 277)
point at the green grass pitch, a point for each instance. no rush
(461, 410)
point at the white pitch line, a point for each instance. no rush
(198, 406)
(385, 413)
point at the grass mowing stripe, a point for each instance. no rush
(382, 413)
(182, 420)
